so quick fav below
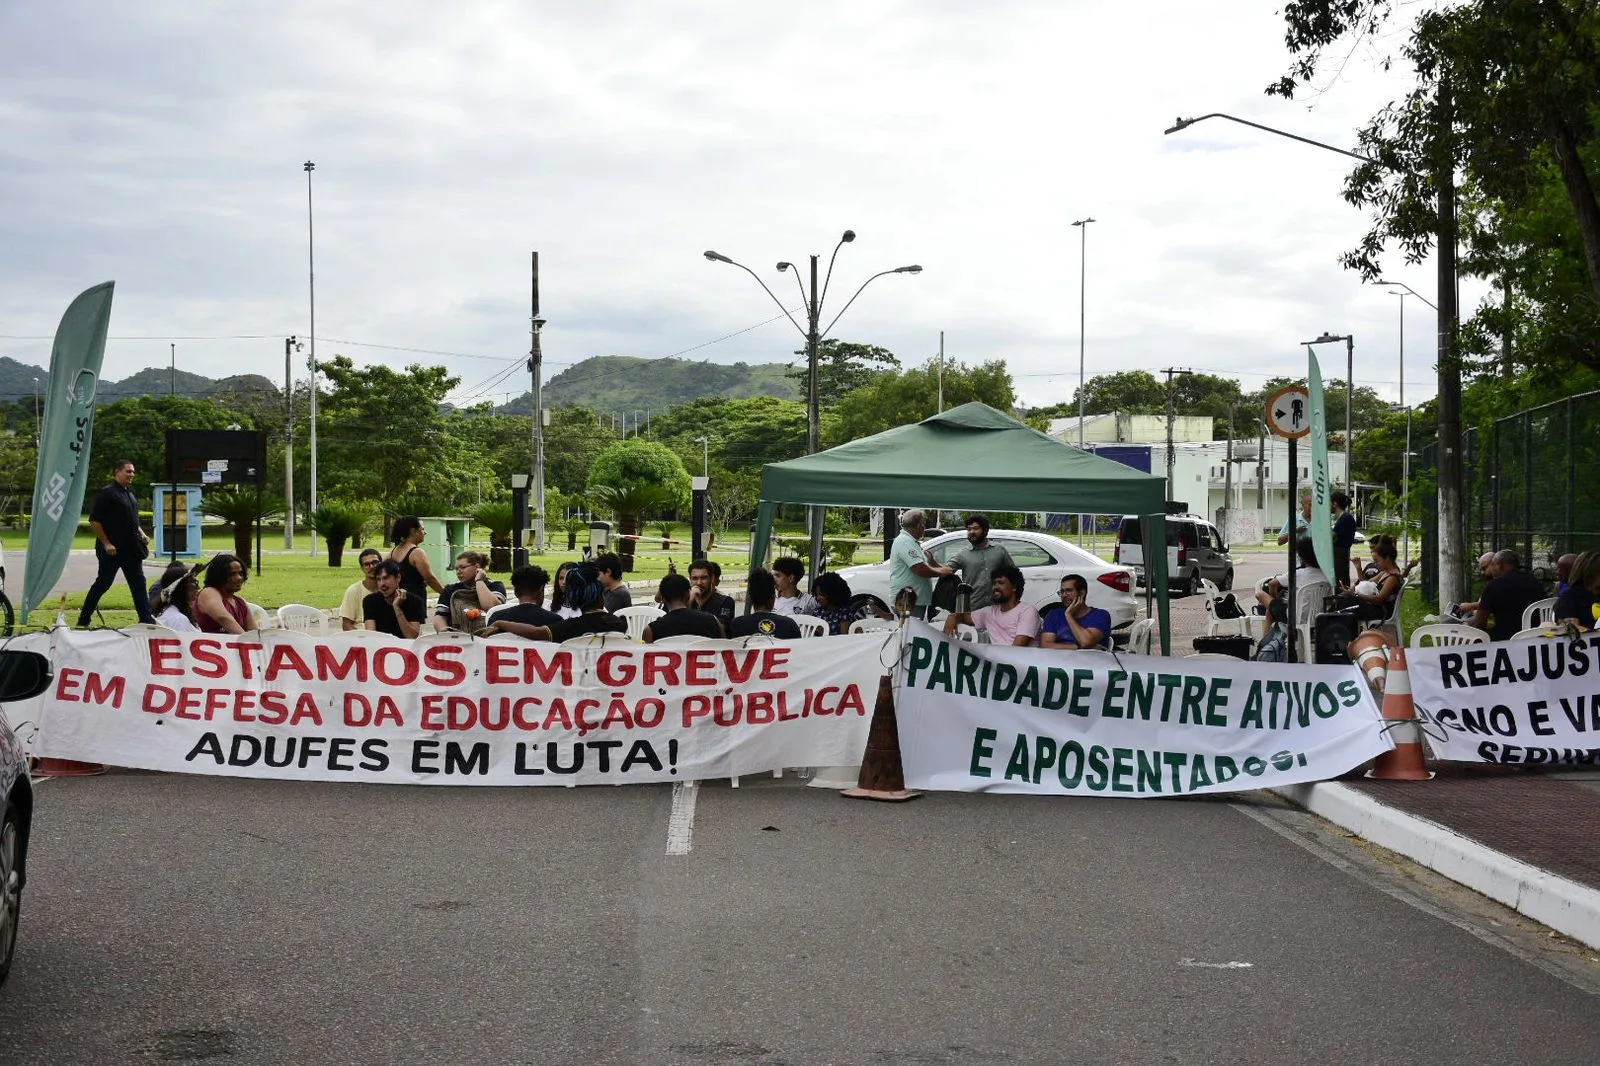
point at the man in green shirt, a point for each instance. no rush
(978, 561)
(910, 565)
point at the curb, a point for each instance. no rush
(1565, 906)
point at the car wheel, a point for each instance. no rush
(865, 606)
(1226, 584)
(1192, 586)
(7, 616)
(10, 887)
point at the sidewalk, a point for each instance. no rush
(1527, 839)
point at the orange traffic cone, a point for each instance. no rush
(66, 768)
(882, 777)
(1370, 652)
(1405, 762)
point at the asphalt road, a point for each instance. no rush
(181, 919)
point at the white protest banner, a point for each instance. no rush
(992, 718)
(1534, 702)
(450, 709)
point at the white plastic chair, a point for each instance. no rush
(260, 617)
(303, 618)
(967, 633)
(1545, 632)
(1215, 656)
(1309, 600)
(1225, 627)
(810, 625)
(1539, 612)
(496, 609)
(1142, 637)
(867, 625)
(639, 617)
(1446, 634)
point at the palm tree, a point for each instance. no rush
(498, 520)
(339, 523)
(631, 501)
(237, 506)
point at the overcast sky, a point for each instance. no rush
(160, 145)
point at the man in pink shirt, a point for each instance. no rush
(1007, 620)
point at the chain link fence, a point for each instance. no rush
(1530, 482)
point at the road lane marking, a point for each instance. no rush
(1217, 965)
(680, 824)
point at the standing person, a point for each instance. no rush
(761, 592)
(393, 609)
(703, 577)
(416, 572)
(1077, 626)
(608, 567)
(472, 577)
(681, 617)
(527, 617)
(173, 602)
(120, 543)
(1301, 520)
(787, 572)
(910, 565)
(219, 607)
(587, 593)
(1344, 537)
(979, 561)
(1506, 597)
(558, 597)
(1006, 619)
(350, 606)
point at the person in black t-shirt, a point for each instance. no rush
(587, 594)
(120, 543)
(703, 576)
(761, 592)
(680, 619)
(472, 577)
(1506, 597)
(392, 609)
(527, 617)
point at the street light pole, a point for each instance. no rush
(1083, 282)
(705, 456)
(311, 360)
(290, 345)
(813, 301)
(1451, 549)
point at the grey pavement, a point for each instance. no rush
(173, 918)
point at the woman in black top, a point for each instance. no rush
(416, 573)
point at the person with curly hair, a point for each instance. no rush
(832, 593)
(587, 593)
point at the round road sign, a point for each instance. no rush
(1289, 411)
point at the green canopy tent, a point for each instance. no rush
(971, 457)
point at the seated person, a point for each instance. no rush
(1373, 600)
(1578, 605)
(680, 619)
(350, 605)
(1564, 567)
(1006, 619)
(1466, 610)
(527, 617)
(392, 609)
(788, 572)
(472, 577)
(832, 594)
(1511, 591)
(703, 596)
(609, 566)
(760, 591)
(1075, 626)
(588, 595)
(1306, 574)
(173, 600)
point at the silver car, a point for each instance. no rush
(23, 675)
(1044, 560)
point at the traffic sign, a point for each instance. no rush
(1289, 412)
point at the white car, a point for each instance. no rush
(1044, 560)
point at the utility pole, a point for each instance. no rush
(1451, 520)
(172, 373)
(536, 367)
(941, 371)
(290, 345)
(311, 361)
(1172, 417)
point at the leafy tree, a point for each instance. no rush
(237, 506)
(634, 477)
(1127, 392)
(842, 368)
(732, 496)
(135, 429)
(898, 399)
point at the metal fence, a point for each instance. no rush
(1530, 482)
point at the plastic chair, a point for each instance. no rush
(867, 625)
(1445, 634)
(303, 618)
(1309, 600)
(496, 609)
(1142, 637)
(1221, 627)
(1215, 656)
(967, 633)
(639, 618)
(1539, 612)
(810, 625)
(261, 617)
(1545, 632)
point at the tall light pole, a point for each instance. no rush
(1451, 525)
(1083, 281)
(1349, 395)
(1405, 462)
(290, 346)
(172, 372)
(311, 361)
(38, 430)
(813, 304)
(536, 368)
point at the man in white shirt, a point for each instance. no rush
(1007, 620)
(787, 572)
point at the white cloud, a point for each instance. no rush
(160, 144)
